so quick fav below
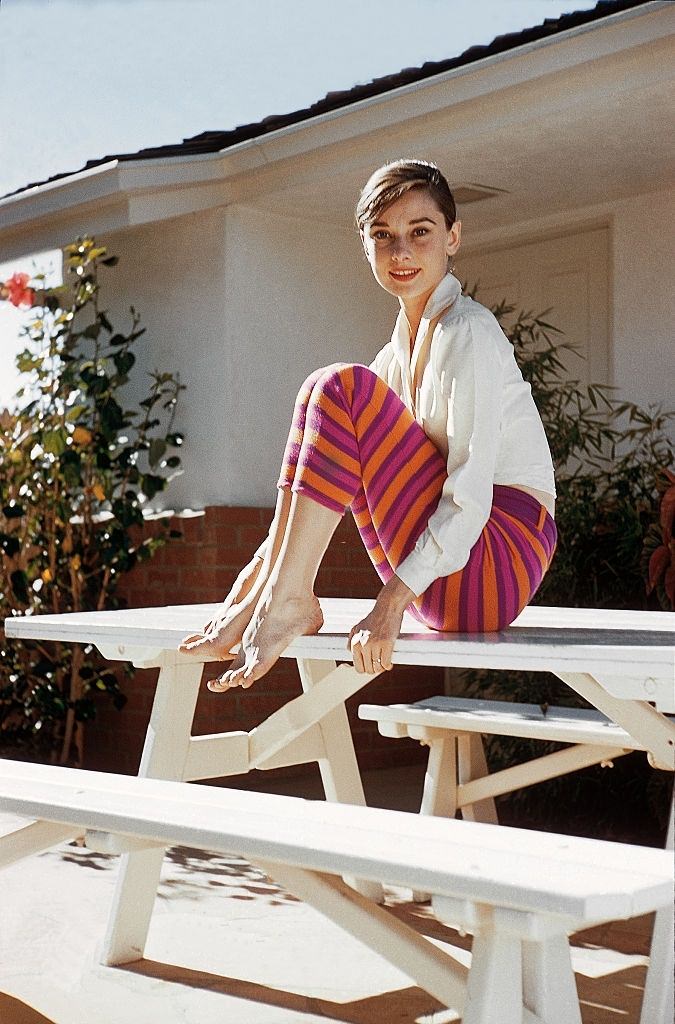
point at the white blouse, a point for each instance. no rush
(472, 402)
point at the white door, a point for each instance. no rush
(566, 274)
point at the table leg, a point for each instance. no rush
(164, 757)
(338, 766)
(652, 729)
(657, 1002)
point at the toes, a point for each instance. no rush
(190, 640)
(207, 645)
(219, 684)
(193, 638)
(193, 643)
(237, 677)
(249, 677)
(227, 679)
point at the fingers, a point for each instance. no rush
(370, 655)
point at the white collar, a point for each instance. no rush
(444, 294)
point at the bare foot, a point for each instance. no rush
(224, 632)
(231, 618)
(275, 624)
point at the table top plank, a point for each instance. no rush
(622, 643)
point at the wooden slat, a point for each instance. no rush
(616, 642)
(501, 718)
(577, 879)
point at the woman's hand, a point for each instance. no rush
(372, 639)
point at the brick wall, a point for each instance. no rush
(200, 568)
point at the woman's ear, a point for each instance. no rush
(454, 238)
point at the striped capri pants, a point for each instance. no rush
(353, 443)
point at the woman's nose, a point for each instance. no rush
(400, 250)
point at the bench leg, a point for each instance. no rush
(34, 838)
(657, 1002)
(440, 787)
(440, 781)
(549, 989)
(494, 989)
(472, 765)
(164, 757)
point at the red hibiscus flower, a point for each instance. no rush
(17, 291)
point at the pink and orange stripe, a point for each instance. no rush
(353, 443)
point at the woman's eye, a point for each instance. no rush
(421, 231)
(379, 235)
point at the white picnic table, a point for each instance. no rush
(621, 662)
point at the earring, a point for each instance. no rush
(451, 268)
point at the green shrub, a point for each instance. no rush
(610, 455)
(75, 469)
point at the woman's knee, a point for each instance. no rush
(343, 371)
(320, 373)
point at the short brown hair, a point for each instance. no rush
(394, 179)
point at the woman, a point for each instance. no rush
(437, 447)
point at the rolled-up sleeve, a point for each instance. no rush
(470, 367)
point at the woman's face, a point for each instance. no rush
(408, 246)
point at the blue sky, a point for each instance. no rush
(83, 78)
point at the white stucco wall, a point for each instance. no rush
(299, 295)
(644, 298)
(244, 305)
(641, 300)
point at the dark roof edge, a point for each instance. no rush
(216, 141)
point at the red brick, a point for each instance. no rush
(233, 515)
(197, 576)
(224, 578)
(192, 528)
(336, 555)
(164, 575)
(251, 536)
(182, 554)
(226, 535)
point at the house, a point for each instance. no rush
(239, 247)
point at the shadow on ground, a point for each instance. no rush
(13, 1011)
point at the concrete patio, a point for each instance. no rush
(227, 944)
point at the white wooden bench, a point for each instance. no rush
(452, 727)
(520, 893)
